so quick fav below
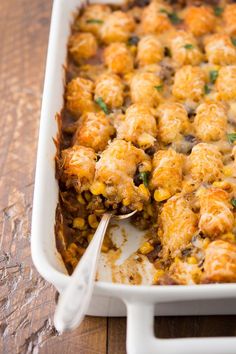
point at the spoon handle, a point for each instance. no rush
(74, 300)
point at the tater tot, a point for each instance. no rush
(211, 121)
(82, 46)
(150, 50)
(177, 225)
(110, 88)
(189, 83)
(220, 50)
(216, 216)
(220, 262)
(205, 163)
(118, 58)
(78, 163)
(79, 97)
(167, 171)
(184, 49)
(115, 172)
(184, 273)
(229, 17)
(144, 88)
(200, 20)
(117, 27)
(154, 18)
(172, 121)
(94, 130)
(93, 18)
(138, 126)
(226, 82)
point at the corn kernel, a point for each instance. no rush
(150, 210)
(218, 184)
(126, 201)
(222, 184)
(128, 76)
(72, 249)
(159, 273)
(99, 211)
(92, 220)
(227, 171)
(89, 238)
(133, 49)
(98, 188)
(161, 194)
(105, 248)
(177, 260)
(144, 191)
(88, 196)
(146, 248)
(81, 199)
(192, 260)
(79, 223)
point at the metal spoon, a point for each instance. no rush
(74, 300)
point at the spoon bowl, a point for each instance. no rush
(74, 300)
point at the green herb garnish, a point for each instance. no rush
(174, 18)
(207, 89)
(213, 76)
(159, 88)
(233, 40)
(231, 137)
(164, 11)
(143, 176)
(102, 105)
(233, 202)
(188, 46)
(218, 10)
(95, 20)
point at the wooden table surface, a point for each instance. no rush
(26, 301)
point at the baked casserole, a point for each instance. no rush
(149, 124)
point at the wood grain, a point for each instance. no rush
(27, 302)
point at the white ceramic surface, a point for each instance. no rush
(111, 299)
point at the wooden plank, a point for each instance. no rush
(90, 338)
(116, 335)
(197, 326)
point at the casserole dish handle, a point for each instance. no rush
(141, 338)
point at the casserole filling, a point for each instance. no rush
(149, 124)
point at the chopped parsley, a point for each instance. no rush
(95, 20)
(143, 176)
(207, 89)
(233, 40)
(173, 17)
(218, 10)
(213, 76)
(188, 46)
(233, 202)
(159, 88)
(133, 40)
(102, 105)
(231, 137)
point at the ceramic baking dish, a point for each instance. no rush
(139, 302)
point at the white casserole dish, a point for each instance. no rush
(110, 299)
